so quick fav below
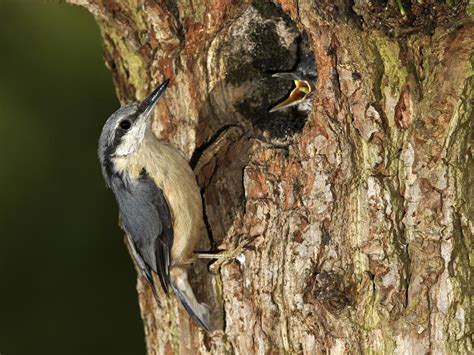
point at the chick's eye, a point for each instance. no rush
(125, 124)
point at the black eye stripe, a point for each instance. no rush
(120, 129)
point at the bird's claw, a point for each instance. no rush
(225, 256)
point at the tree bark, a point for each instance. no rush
(359, 215)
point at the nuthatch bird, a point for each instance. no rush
(158, 198)
(304, 77)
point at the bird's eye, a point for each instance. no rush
(125, 124)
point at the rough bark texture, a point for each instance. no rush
(360, 214)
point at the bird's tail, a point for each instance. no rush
(199, 312)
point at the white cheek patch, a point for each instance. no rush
(131, 140)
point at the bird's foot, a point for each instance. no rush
(225, 256)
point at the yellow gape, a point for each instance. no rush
(303, 89)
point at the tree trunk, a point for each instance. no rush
(358, 215)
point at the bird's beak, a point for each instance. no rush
(290, 75)
(147, 105)
(303, 89)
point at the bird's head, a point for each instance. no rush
(125, 129)
(304, 76)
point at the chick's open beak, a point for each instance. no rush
(303, 89)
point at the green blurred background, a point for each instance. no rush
(67, 285)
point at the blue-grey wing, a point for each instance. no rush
(146, 218)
